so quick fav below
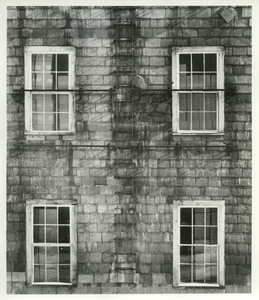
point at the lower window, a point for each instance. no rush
(199, 243)
(51, 242)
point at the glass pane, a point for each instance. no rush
(186, 216)
(210, 102)
(37, 103)
(185, 254)
(52, 255)
(210, 121)
(198, 216)
(64, 255)
(198, 235)
(185, 62)
(38, 215)
(52, 274)
(197, 121)
(51, 215)
(211, 216)
(211, 235)
(198, 273)
(51, 234)
(184, 102)
(62, 62)
(62, 121)
(198, 255)
(197, 102)
(62, 81)
(37, 62)
(39, 273)
(64, 236)
(211, 255)
(211, 62)
(185, 81)
(210, 81)
(185, 273)
(50, 62)
(37, 121)
(186, 235)
(50, 81)
(211, 274)
(50, 103)
(39, 255)
(63, 215)
(62, 104)
(38, 234)
(37, 81)
(197, 81)
(197, 62)
(64, 273)
(50, 121)
(185, 121)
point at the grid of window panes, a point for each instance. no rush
(51, 244)
(198, 245)
(50, 111)
(198, 110)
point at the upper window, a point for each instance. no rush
(198, 90)
(49, 79)
(199, 244)
(51, 242)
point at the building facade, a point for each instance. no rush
(129, 149)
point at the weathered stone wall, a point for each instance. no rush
(123, 166)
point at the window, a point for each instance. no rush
(51, 242)
(198, 90)
(199, 243)
(49, 79)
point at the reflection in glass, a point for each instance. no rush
(37, 81)
(51, 234)
(52, 255)
(197, 102)
(50, 62)
(64, 236)
(185, 235)
(39, 255)
(185, 102)
(63, 215)
(64, 255)
(185, 273)
(210, 81)
(38, 215)
(50, 81)
(50, 121)
(211, 216)
(198, 255)
(37, 62)
(62, 103)
(211, 235)
(185, 254)
(62, 122)
(185, 81)
(50, 103)
(198, 216)
(210, 102)
(64, 273)
(185, 121)
(37, 103)
(37, 121)
(197, 120)
(198, 235)
(51, 215)
(198, 81)
(39, 273)
(210, 121)
(38, 234)
(198, 273)
(211, 274)
(62, 81)
(211, 255)
(52, 274)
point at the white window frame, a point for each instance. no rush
(220, 205)
(28, 51)
(30, 204)
(176, 86)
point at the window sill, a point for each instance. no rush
(196, 285)
(50, 133)
(51, 283)
(198, 133)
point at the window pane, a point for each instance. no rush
(64, 255)
(198, 273)
(210, 102)
(210, 121)
(52, 255)
(185, 254)
(211, 235)
(211, 274)
(37, 62)
(50, 62)
(184, 102)
(211, 62)
(62, 81)
(50, 103)
(38, 215)
(63, 215)
(185, 62)
(37, 81)
(197, 121)
(186, 216)
(185, 273)
(210, 81)
(50, 81)
(62, 62)
(52, 274)
(50, 121)
(186, 235)
(211, 216)
(38, 234)
(198, 235)
(185, 81)
(62, 121)
(197, 62)
(37, 121)
(64, 273)
(198, 255)
(62, 103)
(37, 103)
(51, 234)
(51, 215)
(39, 273)
(39, 255)
(198, 216)
(64, 236)
(198, 81)
(197, 102)
(211, 255)
(185, 121)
